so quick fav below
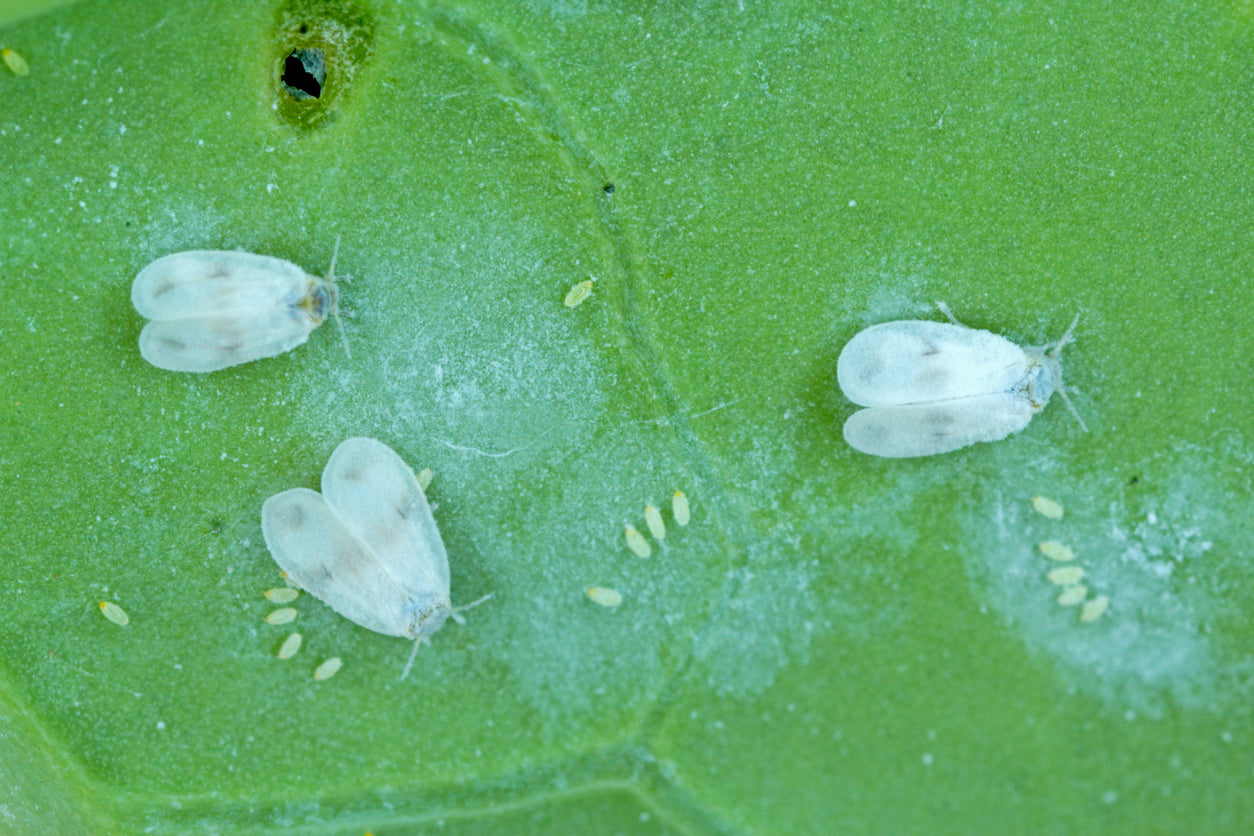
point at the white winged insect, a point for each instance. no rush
(211, 309)
(367, 545)
(933, 387)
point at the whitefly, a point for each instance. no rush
(933, 387)
(212, 309)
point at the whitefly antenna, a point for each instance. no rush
(943, 308)
(335, 308)
(1055, 351)
(454, 614)
(412, 654)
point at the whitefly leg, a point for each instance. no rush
(413, 654)
(943, 308)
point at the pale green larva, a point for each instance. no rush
(653, 520)
(1047, 507)
(367, 545)
(935, 387)
(605, 596)
(114, 613)
(211, 309)
(328, 669)
(636, 542)
(680, 508)
(578, 293)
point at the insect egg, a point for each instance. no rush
(653, 519)
(680, 508)
(1047, 507)
(1056, 551)
(328, 669)
(285, 615)
(290, 646)
(114, 613)
(636, 541)
(605, 596)
(15, 62)
(1093, 609)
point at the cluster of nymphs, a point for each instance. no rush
(1070, 577)
(367, 545)
(291, 645)
(681, 513)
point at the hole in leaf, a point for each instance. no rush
(304, 73)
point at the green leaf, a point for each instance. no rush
(835, 643)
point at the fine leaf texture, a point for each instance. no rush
(835, 643)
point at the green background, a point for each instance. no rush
(836, 643)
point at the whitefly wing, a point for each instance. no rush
(927, 429)
(213, 309)
(200, 283)
(210, 343)
(379, 499)
(319, 553)
(918, 362)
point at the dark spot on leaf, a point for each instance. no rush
(304, 73)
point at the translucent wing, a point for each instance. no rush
(916, 362)
(200, 283)
(379, 499)
(209, 343)
(927, 429)
(213, 309)
(317, 551)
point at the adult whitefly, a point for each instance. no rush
(211, 309)
(368, 545)
(933, 387)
